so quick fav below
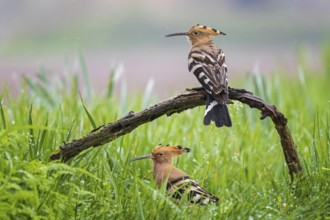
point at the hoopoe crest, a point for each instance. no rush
(178, 183)
(207, 62)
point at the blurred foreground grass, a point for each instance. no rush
(244, 166)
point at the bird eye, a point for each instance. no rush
(195, 33)
(159, 154)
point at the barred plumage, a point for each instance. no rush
(186, 187)
(178, 182)
(207, 62)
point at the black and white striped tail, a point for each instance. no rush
(216, 112)
(186, 187)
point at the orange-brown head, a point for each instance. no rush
(199, 34)
(164, 154)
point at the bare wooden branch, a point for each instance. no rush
(189, 99)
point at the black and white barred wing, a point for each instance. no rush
(211, 71)
(188, 188)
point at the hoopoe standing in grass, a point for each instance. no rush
(207, 62)
(178, 182)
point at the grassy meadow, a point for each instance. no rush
(244, 165)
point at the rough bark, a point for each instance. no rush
(189, 99)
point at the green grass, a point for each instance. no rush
(244, 166)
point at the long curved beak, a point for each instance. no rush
(142, 157)
(177, 34)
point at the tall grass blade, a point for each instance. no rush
(315, 158)
(41, 137)
(114, 77)
(139, 202)
(69, 133)
(75, 85)
(2, 114)
(90, 118)
(31, 133)
(110, 85)
(327, 138)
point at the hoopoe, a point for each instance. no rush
(207, 62)
(178, 182)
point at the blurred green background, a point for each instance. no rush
(262, 36)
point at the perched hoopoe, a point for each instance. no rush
(207, 62)
(178, 182)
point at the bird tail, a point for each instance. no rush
(216, 112)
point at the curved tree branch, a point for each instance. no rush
(189, 99)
